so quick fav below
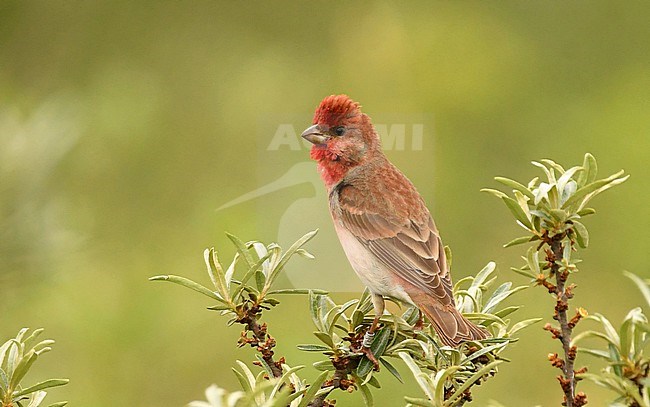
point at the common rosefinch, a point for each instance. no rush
(382, 222)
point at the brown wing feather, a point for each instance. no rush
(411, 248)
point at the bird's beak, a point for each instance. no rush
(315, 135)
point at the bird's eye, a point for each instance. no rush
(339, 130)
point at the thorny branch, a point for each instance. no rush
(338, 381)
(563, 294)
(260, 339)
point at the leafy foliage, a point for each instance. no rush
(556, 206)
(445, 374)
(17, 356)
(628, 365)
(260, 391)
(551, 212)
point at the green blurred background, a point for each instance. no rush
(125, 125)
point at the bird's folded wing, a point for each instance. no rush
(412, 250)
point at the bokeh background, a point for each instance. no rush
(124, 126)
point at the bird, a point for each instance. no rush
(382, 222)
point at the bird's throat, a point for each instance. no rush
(332, 167)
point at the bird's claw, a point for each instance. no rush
(368, 338)
(371, 357)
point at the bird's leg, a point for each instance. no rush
(419, 325)
(378, 304)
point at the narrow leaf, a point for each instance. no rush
(391, 369)
(518, 212)
(42, 386)
(516, 186)
(185, 282)
(310, 394)
(582, 235)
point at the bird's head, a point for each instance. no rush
(342, 137)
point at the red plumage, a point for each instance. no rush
(335, 108)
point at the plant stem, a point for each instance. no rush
(568, 382)
(260, 340)
(338, 381)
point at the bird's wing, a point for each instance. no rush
(411, 248)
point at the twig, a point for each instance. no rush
(260, 338)
(563, 293)
(339, 380)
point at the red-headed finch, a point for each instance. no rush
(382, 222)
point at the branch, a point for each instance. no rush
(260, 340)
(563, 294)
(338, 381)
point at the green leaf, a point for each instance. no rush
(4, 383)
(46, 384)
(476, 376)
(35, 399)
(216, 272)
(550, 174)
(524, 272)
(521, 240)
(324, 365)
(298, 291)
(310, 394)
(335, 313)
(483, 275)
(591, 187)
(289, 253)
(502, 313)
(642, 285)
(284, 379)
(260, 279)
(366, 395)
(439, 380)
(411, 315)
(494, 192)
(516, 186)
(552, 164)
(313, 348)
(518, 212)
(522, 324)
(264, 365)
(185, 282)
(532, 259)
(558, 215)
(586, 211)
(325, 338)
(595, 352)
(246, 378)
(242, 249)
(418, 402)
(253, 270)
(590, 170)
(22, 368)
(391, 369)
(35, 334)
(59, 404)
(420, 377)
(582, 235)
(501, 294)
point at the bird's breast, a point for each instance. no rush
(372, 273)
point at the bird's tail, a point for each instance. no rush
(451, 326)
